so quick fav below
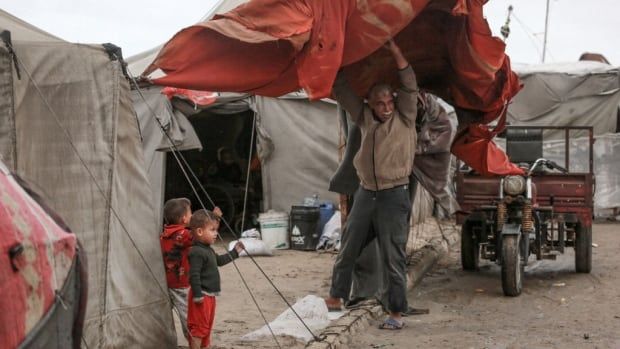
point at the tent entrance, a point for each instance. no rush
(221, 167)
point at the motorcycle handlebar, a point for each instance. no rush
(549, 164)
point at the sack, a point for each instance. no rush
(255, 247)
(330, 238)
(251, 233)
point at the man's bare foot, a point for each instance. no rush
(333, 304)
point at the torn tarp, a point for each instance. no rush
(272, 47)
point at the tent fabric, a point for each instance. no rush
(305, 153)
(90, 96)
(272, 47)
(224, 103)
(30, 279)
(155, 144)
(575, 94)
(23, 31)
(256, 48)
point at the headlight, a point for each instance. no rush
(514, 185)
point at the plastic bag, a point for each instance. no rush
(251, 233)
(255, 247)
(311, 308)
(330, 238)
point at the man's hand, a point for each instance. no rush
(401, 61)
(239, 246)
(217, 211)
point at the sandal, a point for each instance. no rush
(391, 324)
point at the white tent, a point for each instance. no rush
(71, 131)
(584, 93)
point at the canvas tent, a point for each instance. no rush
(297, 141)
(71, 131)
(584, 93)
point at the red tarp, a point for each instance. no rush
(198, 98)
(272, 47)
(28, 281)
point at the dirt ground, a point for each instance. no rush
(557, 309)
(295, 273)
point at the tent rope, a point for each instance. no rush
(177, 155)
(180, 156)
(183, 170)
(247, 176)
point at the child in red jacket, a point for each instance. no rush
(175, 242)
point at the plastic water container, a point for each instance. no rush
(326, 211)
(305, 233)
(274, 229)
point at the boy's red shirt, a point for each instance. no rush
(175, 242)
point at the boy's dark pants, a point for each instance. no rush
(387, 212)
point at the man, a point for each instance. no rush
(436, 127)
(383, 164)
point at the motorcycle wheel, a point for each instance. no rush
(512, 267)
(469, 248)
(583, 249)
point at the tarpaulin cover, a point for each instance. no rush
(29, 280)
(272, 47)
(197, 98)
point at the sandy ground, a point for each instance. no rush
(557, 309)
(295, 273)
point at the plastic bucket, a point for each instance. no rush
(274, 229)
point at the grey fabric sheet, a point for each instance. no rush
(577, 94)
(305, 153)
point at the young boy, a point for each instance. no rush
(176, 241)
(204, 276)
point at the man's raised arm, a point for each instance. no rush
(350, 101)
(407, 100)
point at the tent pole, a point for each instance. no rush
(342, 125)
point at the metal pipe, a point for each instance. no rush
(544, 53)
(567, 149)
(501, 189)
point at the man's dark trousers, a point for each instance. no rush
(387, 212)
